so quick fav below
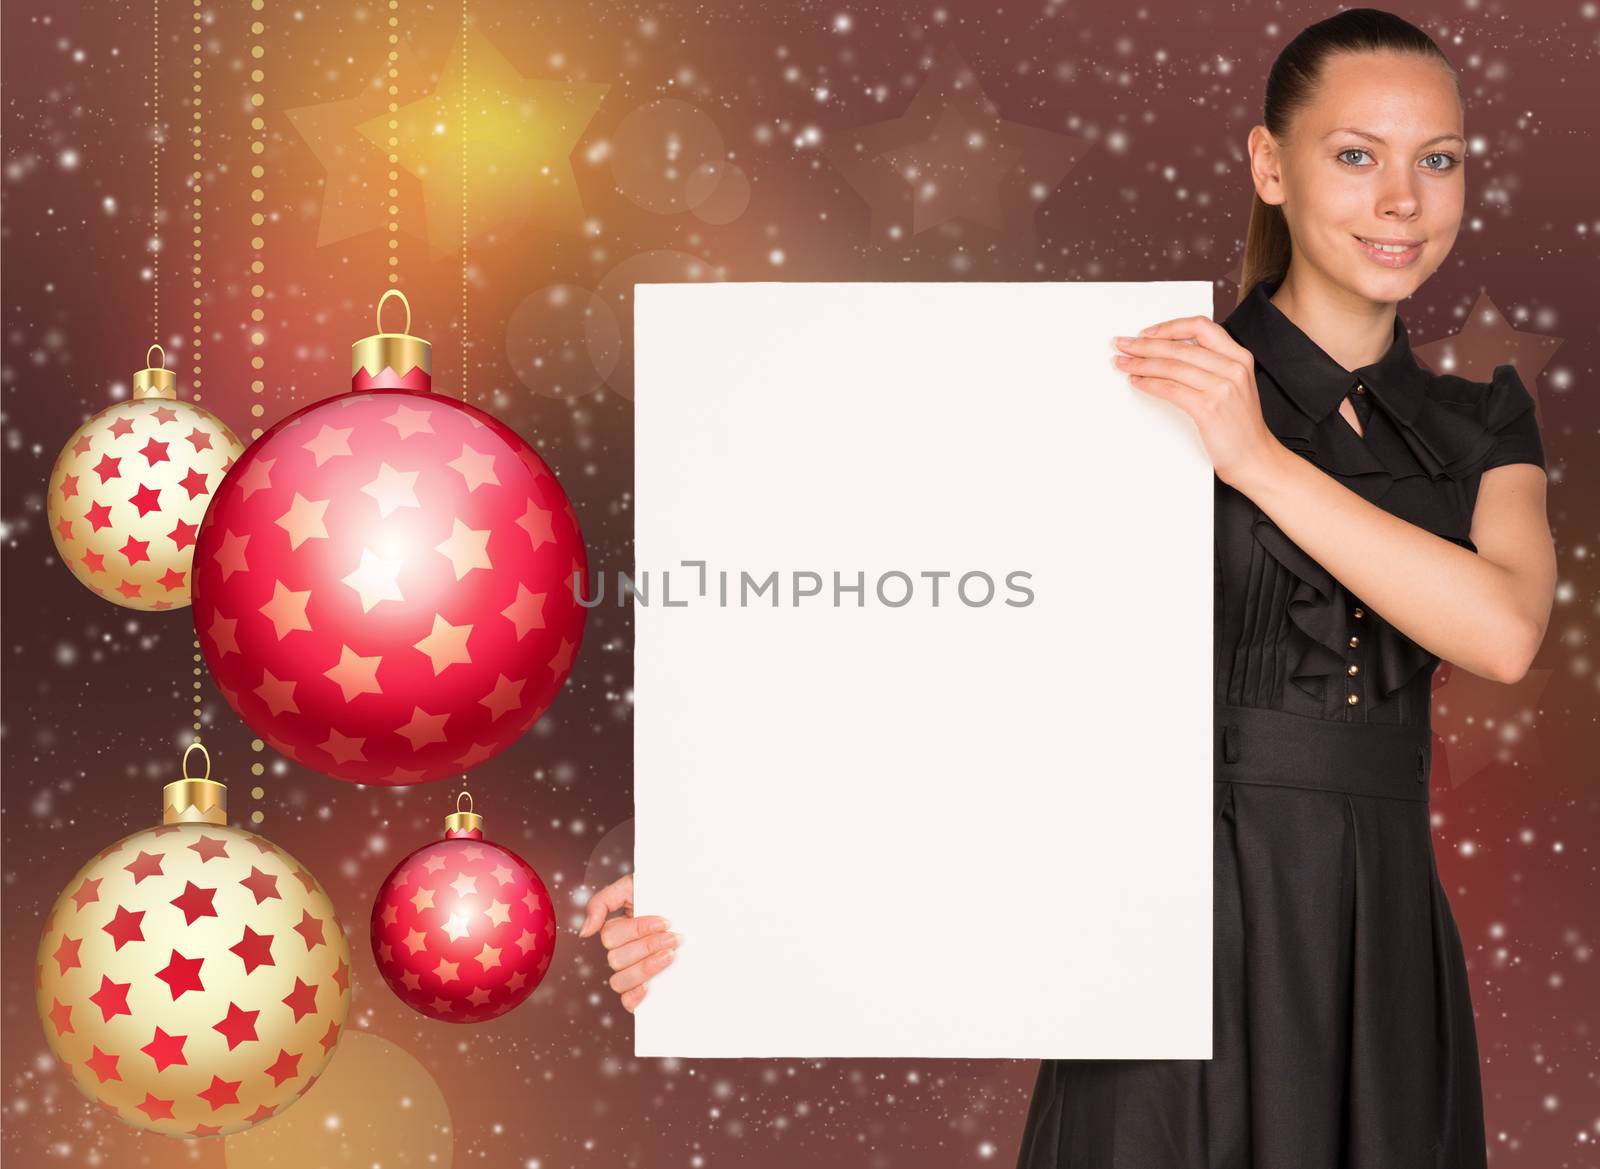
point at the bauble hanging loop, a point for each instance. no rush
(195, 799)
(467, 823)
(155, 380)
(391, 360)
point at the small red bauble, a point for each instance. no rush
(463, 929)
(384, 584)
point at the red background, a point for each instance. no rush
(1132, 121)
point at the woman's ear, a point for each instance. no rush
(1264, 173)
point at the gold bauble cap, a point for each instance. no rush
(155, 380)
(398, 352)
(467, 821)
(195, 799)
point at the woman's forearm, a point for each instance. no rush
(1444, 597)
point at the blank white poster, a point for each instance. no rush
(922, 673)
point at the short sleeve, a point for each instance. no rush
(1509, 417)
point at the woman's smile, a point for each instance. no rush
(1392, 253)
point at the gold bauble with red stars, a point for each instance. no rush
(193, 979)
(130, 488)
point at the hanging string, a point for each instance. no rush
(463, 200)
(394, 142)
(195, 287)
(258, 194)
(463, 235)
(195, 212)
(155, 167)
(258, 267)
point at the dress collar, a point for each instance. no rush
(1424, 425)
(1312, 379)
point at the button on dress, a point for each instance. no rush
(1343, 1033)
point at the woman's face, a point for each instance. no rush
(1376, 155)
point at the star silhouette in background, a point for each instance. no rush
(1488, 340)
(520, 138)
(951, 156)
(355, 192)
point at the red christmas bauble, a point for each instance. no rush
(385, 583)
(463, 929)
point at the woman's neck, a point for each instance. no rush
(1349, 328)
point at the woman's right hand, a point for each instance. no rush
(638, 948)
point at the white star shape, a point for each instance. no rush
(286, 609)
(376, 579)
(342, 747)
(456, 926)
(256, 476)
(222, 634)
(476, 467)
(354, 674)
(230, 557)
(393, 489)
(526, 612)
(424, 728)
(408, 421)
(303, 521)
(329, 443)
(446, 644)
(539, 525)
(277, 693)
(465, 549)
(506, 696)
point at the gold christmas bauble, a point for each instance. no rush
(128, 492)
(193, 978)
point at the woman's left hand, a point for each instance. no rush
(1193, 363)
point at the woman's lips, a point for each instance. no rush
(1390, 259)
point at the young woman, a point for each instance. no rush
(1371, 519)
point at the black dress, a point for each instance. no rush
(1343, 1033)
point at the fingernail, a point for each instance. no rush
(659, 924)
(1145, 332)
(666, 956)
(674, 939)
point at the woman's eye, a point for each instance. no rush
(1450, 163)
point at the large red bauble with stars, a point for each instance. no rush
(128, 492)
(384, 585)
(193, 978)
(463, 929)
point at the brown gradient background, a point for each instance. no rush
(96, 711)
